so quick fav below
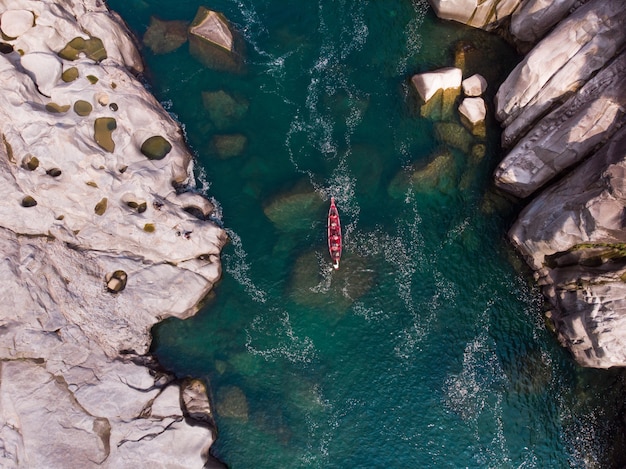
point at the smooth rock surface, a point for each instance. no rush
(474, 86)
(568, 134)
(573, 235)
(77, 388)
(14, 23)
(473, 113)
(559, 65)
(480, 14)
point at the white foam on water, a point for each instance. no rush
(412, 33)
(237, 266)
(368, 313)
(274, 326)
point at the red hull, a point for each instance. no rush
(334, 234)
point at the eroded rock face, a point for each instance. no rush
(573, 235)
(75, 391)
(560, 64)
(563, 108)
(568, 134)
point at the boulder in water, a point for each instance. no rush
(438, 91)
(224, 109)
(228, 146)
(213, 41)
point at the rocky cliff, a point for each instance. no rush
(562, 109)
(102, 237)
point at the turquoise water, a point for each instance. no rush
(427, 349)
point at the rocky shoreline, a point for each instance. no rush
(103, 236)
(562, 110)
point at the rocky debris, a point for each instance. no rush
(473, 112)
(474, 86)
(85, 277)
(438, 91)
(214, 42)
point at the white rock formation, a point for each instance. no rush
(577, 48)
(74, 392)
(474, 86)
(474, 110)
(568, 134)
(438, 91)
(480, 14)
(429, 83)
(573, 235)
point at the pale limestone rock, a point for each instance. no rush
(14, 23)
(480, 14)
(560, 64)
(573, 236)
(474, 86)
(427, 84)
(213, 42)
(473, 112)
(438, 91)
(568, 134)
(44, 68)
(74, 389)
(534, 18)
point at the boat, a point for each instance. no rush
(334, 234)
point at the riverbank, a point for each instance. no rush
(103, 236)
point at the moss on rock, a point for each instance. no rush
(82, 108)
(101, 206)
(55, 108)
(103, 130)
(69, 75)
(28, 201)
(92, 48)
(155, 148)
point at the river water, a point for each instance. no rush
(427, 349)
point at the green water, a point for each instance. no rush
(427, 348)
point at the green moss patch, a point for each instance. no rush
(69, 75)
(31, 163)
(92, 48)
(55, 108)
(155, 148)
(82, 108)
(101, 207)
(149, 227)
(103, 130)
(28, 201)
(92, 79)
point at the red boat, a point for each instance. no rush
(334, 234)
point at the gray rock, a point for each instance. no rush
(568, 134)
(559, 65)
(573, 235)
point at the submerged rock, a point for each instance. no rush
(232, 403)
(229, 146)
(224, 109)
(162, 37)
(295, 210)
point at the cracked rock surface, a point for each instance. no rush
(98, 245)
